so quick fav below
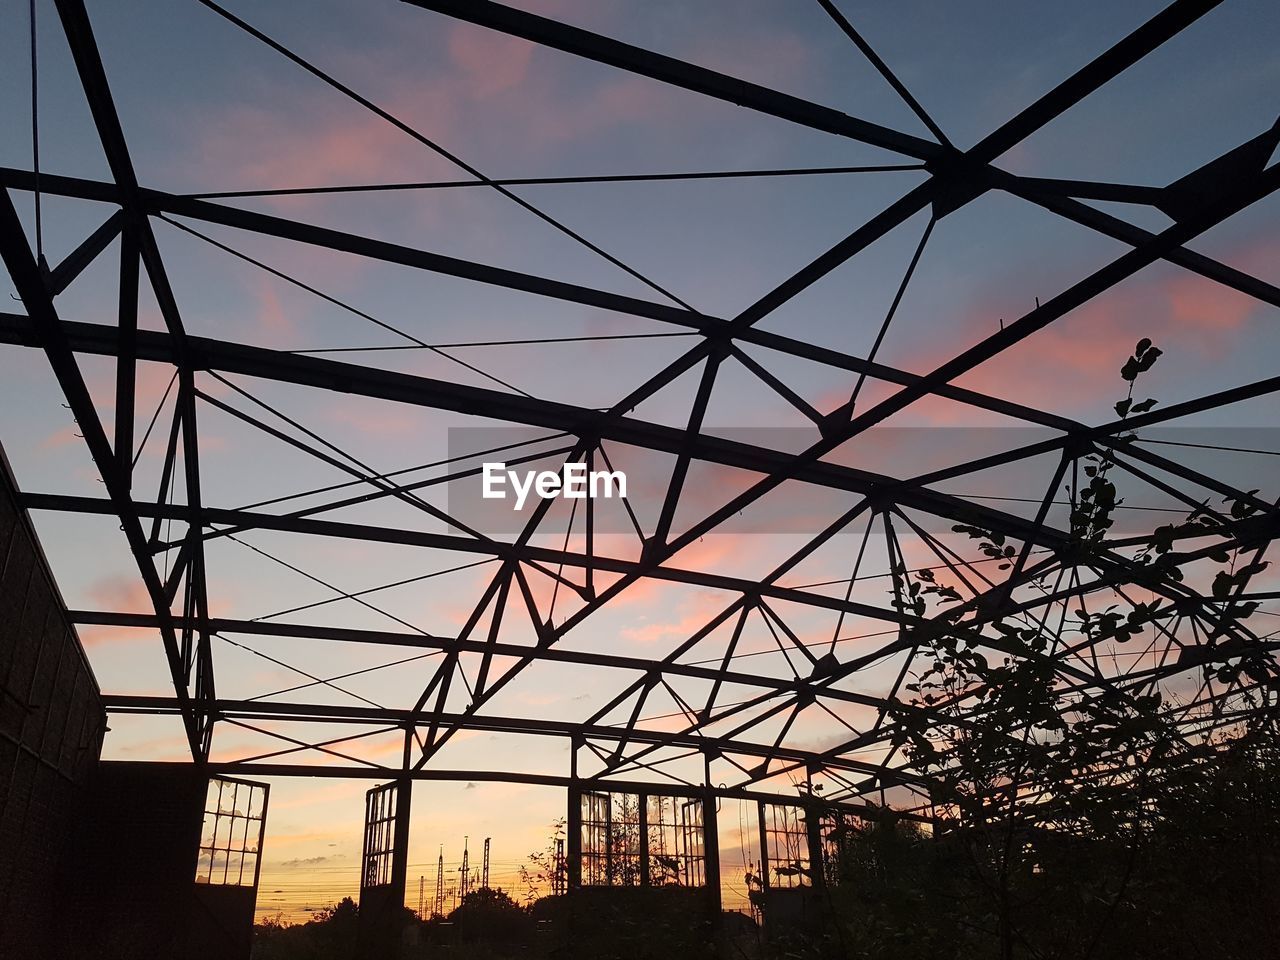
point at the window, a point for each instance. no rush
(379, 834)
(786, 837)
(234, 818)
(639, 839)
(675, 842)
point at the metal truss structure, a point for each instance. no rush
(738, 706)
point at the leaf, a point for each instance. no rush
(1222, 584)
(1143, 345)
(1122, 410)
(1148, 359)
(1255, 671)
(1144, 406)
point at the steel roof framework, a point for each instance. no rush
(729, 738)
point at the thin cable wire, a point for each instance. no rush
(893, 309)
(543, 181)
(538, 341)
(1209, 446)
(154, 417)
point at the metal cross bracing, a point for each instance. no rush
(718, 709)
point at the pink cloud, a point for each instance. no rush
(1080, 355)
(120, 593)
(1077, 358)
(62, 437)
(491, 62)
(389, 420)
(690, 615)
(271, 316)
(249, 146)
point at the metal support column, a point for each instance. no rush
(711, 852)
(813, 827)
(573, 822)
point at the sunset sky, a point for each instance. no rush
(207, 108)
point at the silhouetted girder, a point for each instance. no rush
(957, 177)
(1095, 284)
(467, 544)
(1122, 571)
(936, 503)
(74, 263)
(440, 541)
(1118, 229)
(1081, 680)
(25, 273)
(1088, 78)
(421, 391)
(668, 789)
(819, 685)
(1085, 189)
(615, 53)
(259, 628)
(1101, 280)
(1228, 201)
(601, 49)
(325, 713)
(549, 181)
(1121, 575)
(97, 91)
(451, 266)
(411, 257)
(1139, 452)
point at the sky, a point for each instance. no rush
(207, 108)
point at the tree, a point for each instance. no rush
(490, 915)
(1049, 784)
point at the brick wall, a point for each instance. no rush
(51, 727)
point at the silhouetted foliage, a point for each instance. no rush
(1074, 822)
(332, 933)
(490, 915)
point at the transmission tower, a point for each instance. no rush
(422, 889)
(465, 870)
(484, 876)
(439, 911)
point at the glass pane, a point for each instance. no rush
(202, 867)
